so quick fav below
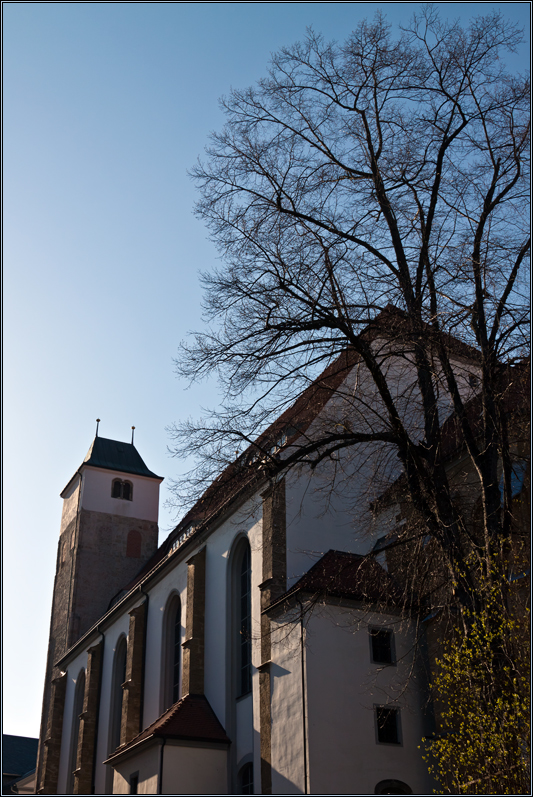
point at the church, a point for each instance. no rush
(263, 647)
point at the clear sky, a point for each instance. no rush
(106, 106)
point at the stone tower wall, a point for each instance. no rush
(94, 563)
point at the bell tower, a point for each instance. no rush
(108, 532)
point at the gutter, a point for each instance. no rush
(304, 716)
(160, 778)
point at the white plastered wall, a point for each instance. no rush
(287, 738)
(329, 508)
(192, 769)
(96, 494)
(146, 763)
(343, 687)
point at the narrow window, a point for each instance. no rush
(246, 779)
(171, 653)
(387, 722)
(134, 783)
(76, 716)
(117, 695)
(176, 655)
(117, 489)
(382, 645)
(127, 490)
(119, 677)
(245, 624)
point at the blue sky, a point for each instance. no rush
(106, 106)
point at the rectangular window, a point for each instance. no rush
(387, 725)
(382, 645)
(134, 783)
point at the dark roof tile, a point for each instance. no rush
(348, 575)
(114, 455)
(190, 719)
(19, 754)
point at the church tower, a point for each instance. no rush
(108, 532)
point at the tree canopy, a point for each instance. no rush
(388, 170)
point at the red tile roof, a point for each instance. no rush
(191, 719)
(348, 575)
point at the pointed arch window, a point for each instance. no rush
(79, 694)
(171, 652)
(117, 695)
(244, 621)
(246, 779)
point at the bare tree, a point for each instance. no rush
(381, 172)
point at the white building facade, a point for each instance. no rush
(261, 649)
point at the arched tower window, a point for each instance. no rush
(133, 544)
(75, 733)
(244, 620)
(117, 694)
(171, 652)
(122, 489)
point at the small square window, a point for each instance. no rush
(382, 645)
(388, 725)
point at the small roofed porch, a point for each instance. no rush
(185, 751)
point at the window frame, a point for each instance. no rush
(171, 652)
(248, 766)
(77, 711)
(399, 734)
(243, 646)
(122, 483)
(371, 634)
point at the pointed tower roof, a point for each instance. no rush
(114, 455)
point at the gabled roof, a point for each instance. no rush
(340, 574)
(241, 475)
(114, 455)
(190, 719)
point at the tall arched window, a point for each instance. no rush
(171, 653)
(244, 620)
(117, 694)
(246, 779)
(75, 733)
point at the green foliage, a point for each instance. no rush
(481, 684)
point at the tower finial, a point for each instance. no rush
(97, 425)
(132, 433)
